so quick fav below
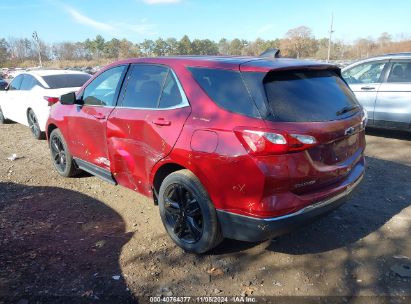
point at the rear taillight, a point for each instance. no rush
(259, 142)
(51, 100)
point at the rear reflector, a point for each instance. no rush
(51, 100)
(268, 142)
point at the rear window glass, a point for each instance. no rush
(66, 80)
(226, 88)
(308, 96)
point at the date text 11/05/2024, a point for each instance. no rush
(221, 299)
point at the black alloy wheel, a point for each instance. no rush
(183, 213)
(58, 153)
(187, 212)
(34, 125)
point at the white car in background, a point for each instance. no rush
(29, 96)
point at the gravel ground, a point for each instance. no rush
(81, 238)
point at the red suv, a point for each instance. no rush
(237, 147)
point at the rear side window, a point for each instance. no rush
(144, 86)
(400, 72)
(308, 96)
(227, 89)
(66, 80)
(151, 87)
(171, 96)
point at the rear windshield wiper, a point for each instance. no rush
(347, 109)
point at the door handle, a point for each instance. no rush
(367, 88)
(99, 116)
(161, 122)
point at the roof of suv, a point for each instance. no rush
(395, 55)
(42, 73)
(406, 55)
(231, 62)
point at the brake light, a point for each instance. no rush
(268, 142)
(51, 100)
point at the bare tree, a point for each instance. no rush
(298, 42)
(384, 40)
(301, 41)
(4, 51)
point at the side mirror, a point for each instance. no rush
(69, 99)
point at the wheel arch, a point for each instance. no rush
(160, 173)
(50, 129)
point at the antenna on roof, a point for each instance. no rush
(271, 53)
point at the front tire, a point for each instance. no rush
(187, 212)
(60, 155)
(34, 125)
(3, 120)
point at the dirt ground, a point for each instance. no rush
(82, 238)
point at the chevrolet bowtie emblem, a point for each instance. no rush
(349, 131)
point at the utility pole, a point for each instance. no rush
(36, 38)
(329, 39)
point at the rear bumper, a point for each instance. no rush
(42, 117)
(252, 229)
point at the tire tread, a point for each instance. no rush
(71, 169)
(214, 233)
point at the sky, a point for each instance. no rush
(136, 20)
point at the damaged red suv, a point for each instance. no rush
(236, 147)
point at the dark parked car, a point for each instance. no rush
(243, 148)
(383, 87)
(3, 84)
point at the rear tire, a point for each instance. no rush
(3, 120)
(187, 212)
(34, 125)
(60, 155)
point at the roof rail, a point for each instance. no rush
(398, 54)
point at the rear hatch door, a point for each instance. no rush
(315, 101)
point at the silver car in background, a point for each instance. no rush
(383, 87)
